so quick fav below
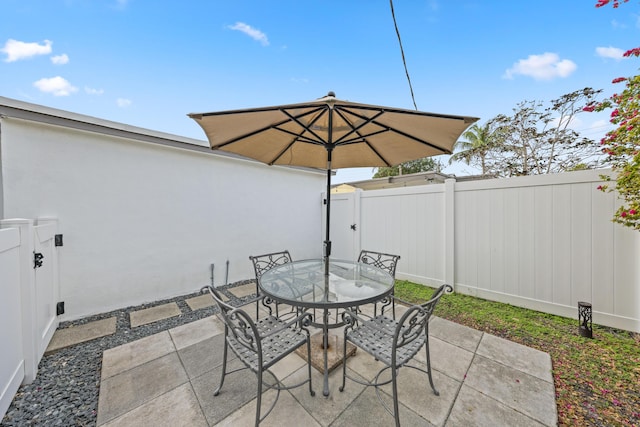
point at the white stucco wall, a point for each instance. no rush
(143, 221)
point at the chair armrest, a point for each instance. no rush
(352, 319)
(205, 289)
(252, 300)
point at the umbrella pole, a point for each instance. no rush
(327, 253)
(327, 241)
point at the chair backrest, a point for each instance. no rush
(238, 324)
(380, 260)
(263, 263)
(414, 322)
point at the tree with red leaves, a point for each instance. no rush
(615, 3)
(622, 145)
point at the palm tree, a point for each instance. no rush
(480, 140)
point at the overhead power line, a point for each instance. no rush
(402, 52)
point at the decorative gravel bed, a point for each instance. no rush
(65, 391)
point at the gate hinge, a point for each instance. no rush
(58, 239)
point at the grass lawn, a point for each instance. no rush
(597, 380)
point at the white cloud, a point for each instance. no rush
(574, 123)
(17, 50)
(599, 125)
(616, 24)
(123, 102)
(57, 86)
(92, 91)
(251, 32)
(60, 59)
(597, 129)
(119, 4)
(610, 52)
(542, 67)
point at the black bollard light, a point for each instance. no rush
(584, 319)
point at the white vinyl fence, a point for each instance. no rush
(28, 300)
(541, 242)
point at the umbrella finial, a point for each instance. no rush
(331, 93)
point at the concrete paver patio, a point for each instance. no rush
(169, 378)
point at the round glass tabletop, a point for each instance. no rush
(304, 284)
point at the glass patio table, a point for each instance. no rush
(304, 284)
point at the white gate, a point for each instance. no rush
(46, 283)
(344, 227)
(30, 272)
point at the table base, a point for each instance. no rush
(334, 352)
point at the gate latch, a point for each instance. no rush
(37, 259)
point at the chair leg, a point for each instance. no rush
(396, 406)
(344, 361)
(313, 393)
(259, 397)
(224, 363)
(433, 387)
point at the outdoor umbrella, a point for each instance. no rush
(330, 133)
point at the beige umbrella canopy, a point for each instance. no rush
(330, 133)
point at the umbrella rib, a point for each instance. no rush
(386, 162)
(406, 135)
(399, 111)
(308, 126)
(271, 126)
(367, 120)
(298, 137)
(421, 141)
(362, 138)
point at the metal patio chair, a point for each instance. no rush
(386, 262)
(263, 263)
(394, 343)
(259, 345)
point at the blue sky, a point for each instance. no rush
(149, 63)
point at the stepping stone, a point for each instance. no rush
(153, 314)
(76, 334)
(202, 301)
(244, 290)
